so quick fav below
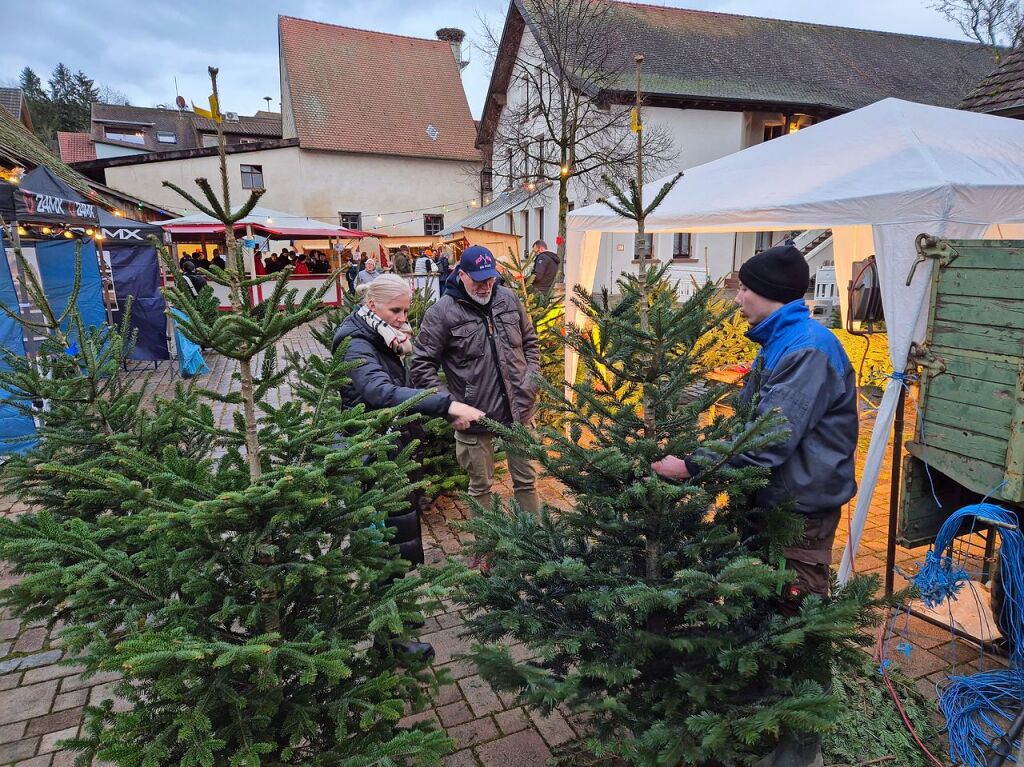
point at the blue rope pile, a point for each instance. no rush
(978, 708)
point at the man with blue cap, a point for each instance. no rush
(482, 337)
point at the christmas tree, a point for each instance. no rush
(238, 577)
(649, 606)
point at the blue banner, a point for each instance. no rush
(17, 428)
(56, 261)
(136, 274)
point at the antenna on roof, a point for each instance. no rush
(178, 98)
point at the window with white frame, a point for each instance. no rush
(252, 176)
(126, 135)
(166, 137)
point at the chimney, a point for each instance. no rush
(454, 38)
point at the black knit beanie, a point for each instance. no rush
(779, 274)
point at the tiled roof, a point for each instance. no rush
(75, 147)
(703, 58)
(11, 99)
(183, 124)
(21, 147)
(1002, 92)
(149, 119)
(723, 57)
(500, 205)
(351, 90)
(270, 127)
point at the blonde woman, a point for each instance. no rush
(380, 337)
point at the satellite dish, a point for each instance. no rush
(180, 101)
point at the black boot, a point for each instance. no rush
(795, 750)
(422, 650)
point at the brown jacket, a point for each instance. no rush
(490, 354)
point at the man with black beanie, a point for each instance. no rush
(803, 373)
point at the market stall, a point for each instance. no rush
(262, 231)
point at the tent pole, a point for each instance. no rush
(103, 282)
(894, 491)
(27, 334)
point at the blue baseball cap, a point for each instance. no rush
(478, 263)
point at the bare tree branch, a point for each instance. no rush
(995, 23)
(561, 126)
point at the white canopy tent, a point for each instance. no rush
(877, 177)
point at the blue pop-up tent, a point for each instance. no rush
(135, 273)
(17, 428)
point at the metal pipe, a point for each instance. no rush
(894, 489)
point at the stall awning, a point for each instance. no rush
(266, 221)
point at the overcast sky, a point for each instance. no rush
(140, 48)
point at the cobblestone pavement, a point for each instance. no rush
(41, 701)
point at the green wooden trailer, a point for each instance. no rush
(969, 441)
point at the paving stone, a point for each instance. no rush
(31, 640)
(448, 693)
(27, 701)
(8, 681)
(459, 669)
(64, 759)
(31, 661)
(464, 758)
(50, 672)
(448, 620)
(5, 649)
(512, 721)
(480, 696)
(472, 733)
(70, 699)
(553, 728)
(421, 716)
(43, 760)
(9, 628)
(523, 749)
(454, 713)
(53, 722)
(49, 741)
(19, 749)
(12, 732)
(77, 681)
(447, 644)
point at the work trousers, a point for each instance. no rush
(475, 454)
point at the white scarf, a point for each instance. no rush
(398, 341)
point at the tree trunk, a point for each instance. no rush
(563, 213)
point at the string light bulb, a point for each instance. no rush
(119, 214)
(564, 170)
(531, 186)
(472, 203)
(47, 230)
(379, 218)
(98, 236)
(68, 234)
(89, 232)
(270, 220)
(22, 231)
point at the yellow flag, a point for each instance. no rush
(635, 115)
(213, 113)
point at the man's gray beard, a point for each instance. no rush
(478, 299)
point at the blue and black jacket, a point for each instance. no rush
(802, 371)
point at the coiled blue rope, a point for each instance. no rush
(978, 708)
